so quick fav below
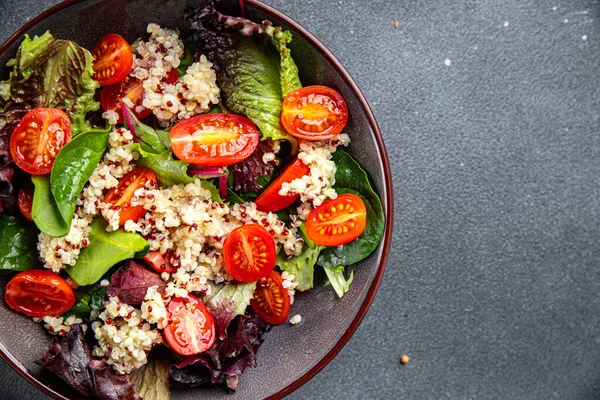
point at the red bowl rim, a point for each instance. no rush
(388, 189)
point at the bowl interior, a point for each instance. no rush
(289, 352)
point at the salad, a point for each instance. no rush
(164, 200)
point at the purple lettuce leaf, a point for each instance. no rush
(109, 385)
(226, 301)
(223, 363)
(68, 359)
(246, 173)
(130, 283)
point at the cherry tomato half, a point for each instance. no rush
(112, 59)
(38, 138)
(120, 196)
(249, 253)
(314, 113)
(191, 329)
(25, 202)
(161, 263)
(39, 293)
(338, 221)
(270, 199)
(271, 300)
(214, 140)
(131, 88)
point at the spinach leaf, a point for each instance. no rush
(72, 168)
(18, 250)
(170, 171)
(351, 178)
(105, 250)
(44, 211)
(234, 198)
(336, 278)
(301, 266)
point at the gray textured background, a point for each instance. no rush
(489, 109)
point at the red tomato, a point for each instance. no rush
(314, 113)
(338, 221)
(191, 329)
(39, 293)
(25, 202)
(270, 199)
(121, 195)
(112, 59)
(271, 300)
(161, 263)
(214, 140)
(131, 88)
(249, 253)
(38, 138)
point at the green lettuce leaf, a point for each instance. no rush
(226, 301)
(48, 72)
(255, 69)
(301, 266)
(152, 380)
(351, 178)
(185, 62)
(18, 251)
(106, 249)
(336, 278)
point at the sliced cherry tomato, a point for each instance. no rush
(25, 202)
(314, 113)
(191, 329)
(161, 263)
(270, 199)
(214, 140)
(271, 300)
(131, 88)
(39, 293)
(249, 253)
(112, 59)
(120, 196)
(38, 138)
(338, 221)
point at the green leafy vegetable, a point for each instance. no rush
(252, 76)
(72, 168)
(234, 198)
(185, 62)
(150, 140)
(336, 278)
(52, 73)
(105, 250)
(351, 178)
(227, 301)
(97, 295)
(301, 266)
(18, 250)
(288, 71)
(44, 211)
(170, 171)
(152, 380)
(81, 308)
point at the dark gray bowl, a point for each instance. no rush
(290, 355)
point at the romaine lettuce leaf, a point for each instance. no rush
(301, 266)
(336, 278)
(151, 381)
(252, 76)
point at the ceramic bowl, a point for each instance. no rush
(290, 355)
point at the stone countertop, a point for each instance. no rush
(489, 109)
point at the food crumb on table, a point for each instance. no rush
(404, 359)
(396, 24)
(296, 319)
